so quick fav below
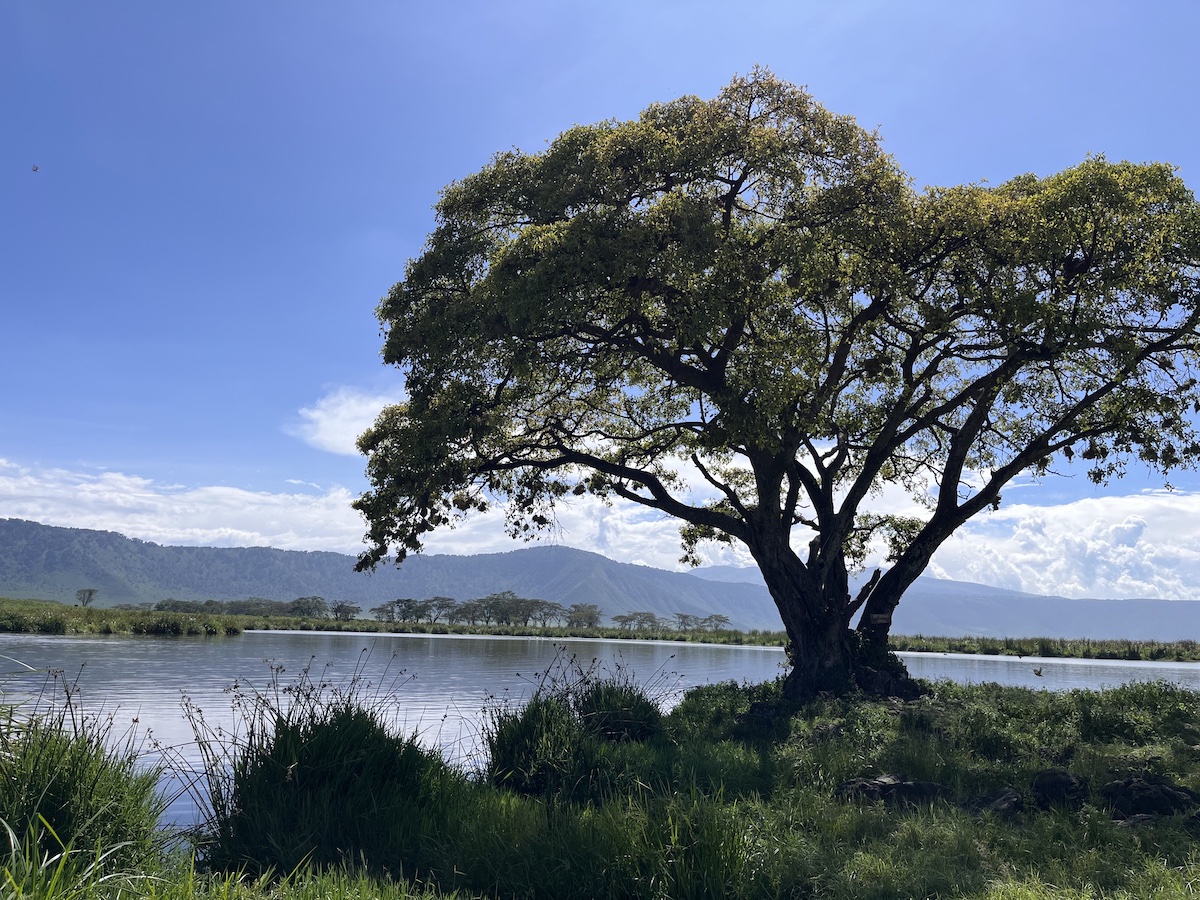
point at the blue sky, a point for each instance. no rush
(225, 190)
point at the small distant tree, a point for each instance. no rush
(715, 622)
(503, 608)
(385, 612)
(85, 596)
(583, 615)
(252, 606)
(686, 621)
(180, 606)
(441, 607)
(544, 611)
(645, 621)
(344, 611)
(310, 608)
(624, 621)
(408, 609)
(472, 613)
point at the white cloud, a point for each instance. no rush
(335, 421)
(1137, 545)
(212, 515)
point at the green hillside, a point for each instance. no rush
(50, 563)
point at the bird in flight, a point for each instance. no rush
(35, 168)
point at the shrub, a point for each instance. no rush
(67, 782)
(617, 710)
(318, 777)
(555, 744)
(536, 749)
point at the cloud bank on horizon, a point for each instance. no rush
(204, 203)
(1141, 544)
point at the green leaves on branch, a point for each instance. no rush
(739, 312)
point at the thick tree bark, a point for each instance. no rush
(879, 606)
(826, 655)
(875, 625)
(819, 641)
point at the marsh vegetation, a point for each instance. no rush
(48, 617)
(591, 790)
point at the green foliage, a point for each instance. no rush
(316, 776)
(1075, 648)
(617, 710)
(46, 617)
(70, 787)
(735, 796)
(537, 749)
(559, 742)
(32, 870)
(751, 286)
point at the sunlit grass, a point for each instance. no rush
(733, 793)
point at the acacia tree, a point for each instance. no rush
(441, 606)
(344, 610)
(749, 292)
(583, 615)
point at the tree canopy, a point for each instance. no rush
(740, 312)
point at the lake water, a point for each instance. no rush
(443, 683)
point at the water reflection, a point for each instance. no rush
(442, 683)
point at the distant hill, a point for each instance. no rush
(945, 608)
(46, 562)
(50, 563)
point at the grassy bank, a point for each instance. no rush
(1077, 648)
(48, 617)
(1080, 648)
(590, 791)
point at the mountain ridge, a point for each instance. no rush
(50, 562)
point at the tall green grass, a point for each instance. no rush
(733, 793)
(574, 738)
(68, 781)
(79, 811)
(1075, 648)
(316, 775)
(48, 617)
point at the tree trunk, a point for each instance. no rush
(880, 605)
(826, 655)
(820, 647)
(821, 655)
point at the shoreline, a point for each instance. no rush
(50, 617)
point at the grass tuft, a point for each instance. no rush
(317, 777)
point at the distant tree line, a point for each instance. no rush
(503, 608)
(648, 621)
(300, 608)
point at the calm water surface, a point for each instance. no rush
(442, 683)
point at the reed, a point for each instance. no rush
(316, 776)
(48, 617)
(575, 737)
(732, 793)
(69, 781)
(1075, 648)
